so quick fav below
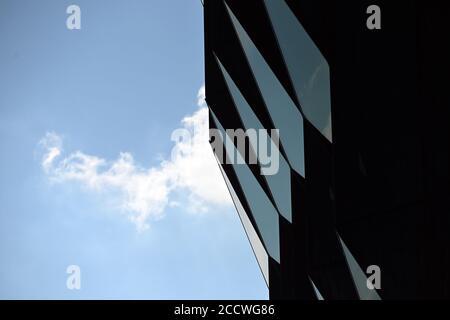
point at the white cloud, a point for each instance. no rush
(53, 144)
(144, 193)
(201, 97)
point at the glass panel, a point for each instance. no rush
(318, 294)
(285, 115)
(307, 67)
(257, 246)
(279, 183)
(359, 277)
(264, 213)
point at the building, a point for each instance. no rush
(363, 180)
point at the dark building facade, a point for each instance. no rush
(363, 180)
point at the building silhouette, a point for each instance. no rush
(363, 180)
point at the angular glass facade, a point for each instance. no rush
(350, 195)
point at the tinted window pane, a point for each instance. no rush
(264, 213)
(285, 115)
(317, 292)
(279, 183)
(359, 277)
(307, 67)
(258, 248)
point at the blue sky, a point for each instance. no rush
(141, 225)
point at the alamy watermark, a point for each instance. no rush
(374, 20)
(374, 277)
(73, 21)
(249, 147)
(73, 281)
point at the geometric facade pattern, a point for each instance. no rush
(349, 193)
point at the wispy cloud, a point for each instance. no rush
(144, 193)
